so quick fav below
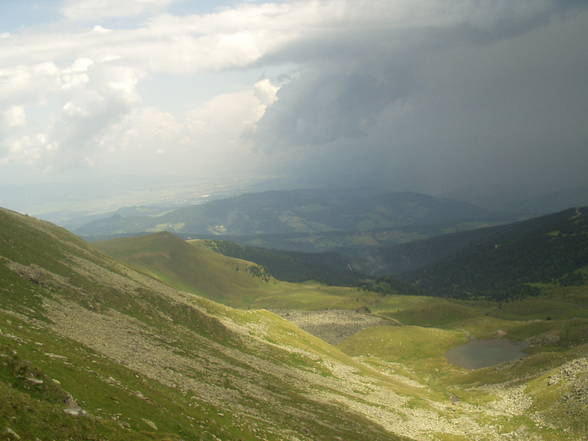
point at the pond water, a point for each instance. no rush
(483, 353)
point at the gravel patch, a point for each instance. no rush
(333, 326)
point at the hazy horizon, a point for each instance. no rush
(106, 103)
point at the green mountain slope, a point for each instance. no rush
(187, 266)
(417, 254)
(554, 325)
(548, 249)
(291, 266)
(91, 349)
(501, 262)
(194, 266)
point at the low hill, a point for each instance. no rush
(297, 211)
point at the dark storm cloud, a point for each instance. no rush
(487, 101)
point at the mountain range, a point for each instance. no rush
(301, 220)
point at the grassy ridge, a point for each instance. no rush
(187, 266)
(195, 267)
(144, 361)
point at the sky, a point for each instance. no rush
(483, 100)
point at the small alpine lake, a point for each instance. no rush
(483, 353)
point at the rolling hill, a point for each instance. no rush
(196, 267)
(295, 212)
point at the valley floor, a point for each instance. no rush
(543, 396)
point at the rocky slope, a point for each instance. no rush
(141, 360)
(93, 349)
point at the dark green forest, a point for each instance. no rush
(506, 263)
(290, 266)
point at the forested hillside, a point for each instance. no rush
(505, 262)
(329, 268)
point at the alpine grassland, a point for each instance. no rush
(91, 349)
(193, 266)
(158, 338)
